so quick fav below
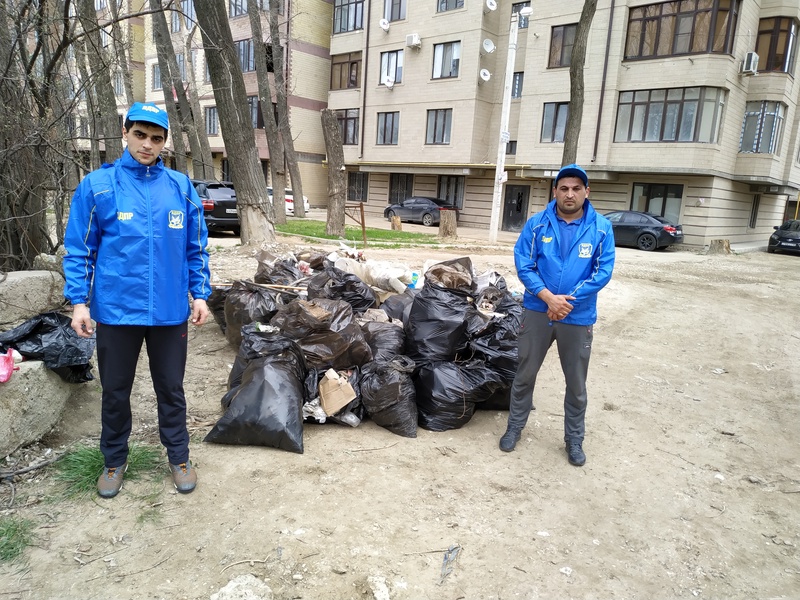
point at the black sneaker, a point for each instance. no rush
(510, 438)
(575, 454)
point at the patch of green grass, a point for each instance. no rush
(15, 535)
(79, 469)
(150, 515)
(316, 229)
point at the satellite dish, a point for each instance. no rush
(488, 46)
(384, 23)
(388, 82)
(491, 5)
(485, 74)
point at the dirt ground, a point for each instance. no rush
(691, 488)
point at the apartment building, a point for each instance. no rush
(305, 34)
(690, 107)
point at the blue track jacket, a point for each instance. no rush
(587, 268)
(136, 245)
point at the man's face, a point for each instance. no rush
(145, 142)
(570, 194)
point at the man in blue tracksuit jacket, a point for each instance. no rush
(136, 249)
(564, 256)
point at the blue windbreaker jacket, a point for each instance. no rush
(136, 245)
(587, 268)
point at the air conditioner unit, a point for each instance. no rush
(413, 40)
(749, 64)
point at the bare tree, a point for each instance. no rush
(202, 163)
(121, 46)
(235, 121)
(337, 187)
(572, 129)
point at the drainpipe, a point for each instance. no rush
(364, 64)
(603, 85)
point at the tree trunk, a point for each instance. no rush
(121, 49)
(235, 122)
(283, 109)
(202, 163)
(572, 130)
(91, 109)
(277, 210)
(447, 224)
(337, 184)
(101, 79)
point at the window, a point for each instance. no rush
(515, 8)
(446, 58)
(658, 198)
(394, 10)
(175, 21)
(401, 186)
(685, 27)
(561, 44)
(237, 8)
(247, 58)
(516, 85)
(388, 127)
(189, 16)
(451, 189)
(119, 84)
(357, 186)
(254, 106)
(181, 60)
(511, 147)
(347, 15)
(670, 115)
(439, 123)
(105, 37)
(762, 127)
(754, 211)
(554, 121)
(348, 124)
(212, 123)
(156, 76)
(391, 67)
(445, 5)
(346, 71)
(100, 4)
(777, 44)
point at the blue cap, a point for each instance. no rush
(147, 112)
(573, 170)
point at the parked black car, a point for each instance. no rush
(643, 230)
(219, 205)
(786, 238)
(418, 209)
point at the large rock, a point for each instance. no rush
(27, 293)
(31, 403)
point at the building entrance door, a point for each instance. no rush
(515, 209)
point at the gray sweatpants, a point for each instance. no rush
(574, 349)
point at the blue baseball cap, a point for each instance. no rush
(147, 112)
(573, 170)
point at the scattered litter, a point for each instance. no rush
(450, 556)
(718, 371)
(543, 533)
(566, 571)
(719, 476)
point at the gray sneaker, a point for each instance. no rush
(184, 477)
(510, 438)
(110, 482)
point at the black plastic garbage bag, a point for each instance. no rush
(216, 304)
(49, 337)
(281, 272)
(447, 392)
(335, 284)
(455, 274)
(439, 323)
(397, 306)
(386, 340)
(266, 407)
(497, 343)
(353, 412)
(246, 303)
(388, 395)
(327, 332)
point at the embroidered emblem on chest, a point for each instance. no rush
(175, 219)
(584, 251)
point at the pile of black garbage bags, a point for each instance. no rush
(428, 357)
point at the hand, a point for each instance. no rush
(82, 321)
(558, 306)
(200, 312)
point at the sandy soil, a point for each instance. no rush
(691, 489)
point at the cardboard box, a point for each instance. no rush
(335, 392)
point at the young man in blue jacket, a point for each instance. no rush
(564, 256)
(136, 249)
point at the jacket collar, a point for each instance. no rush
(136, 169)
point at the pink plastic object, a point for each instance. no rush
(7, 365)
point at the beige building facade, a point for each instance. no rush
(678, 119)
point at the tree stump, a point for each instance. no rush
(447, 224)
(397, 224)
(719, 247)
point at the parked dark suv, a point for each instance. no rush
(219, 205)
